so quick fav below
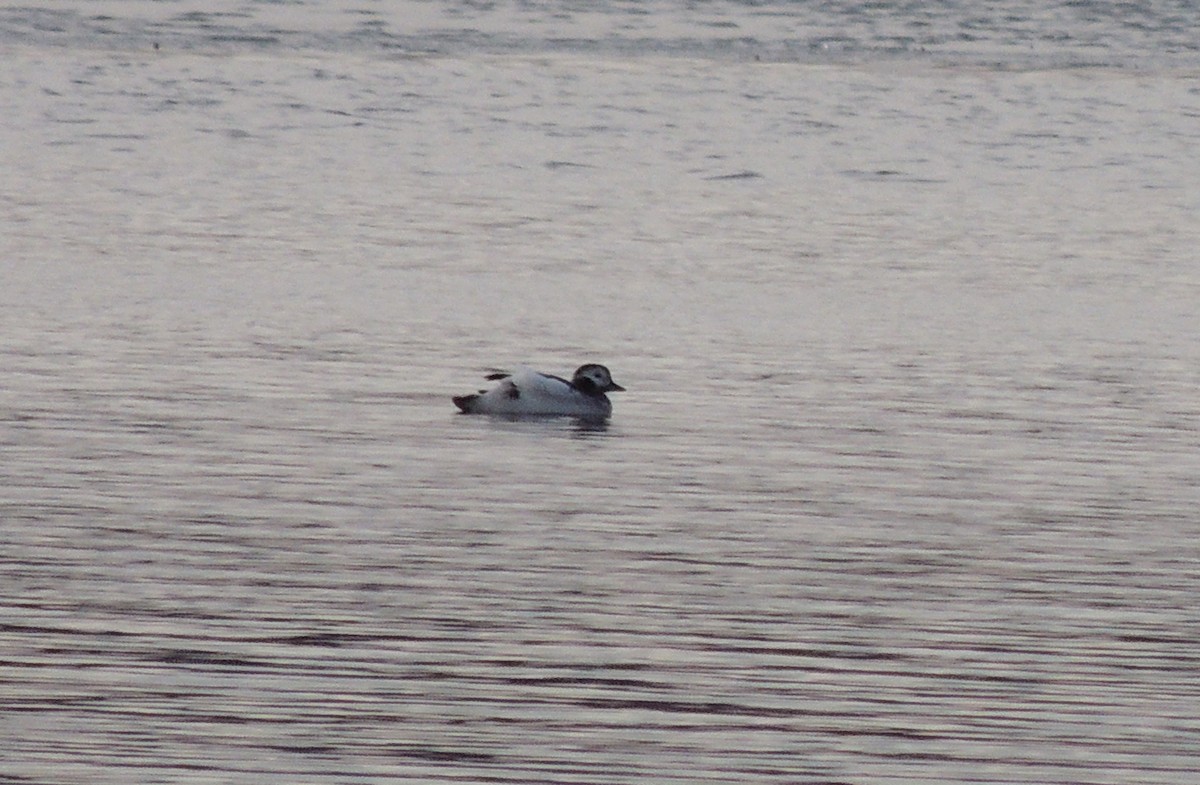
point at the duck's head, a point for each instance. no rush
(595, 380)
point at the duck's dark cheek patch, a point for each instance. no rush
(513, 393)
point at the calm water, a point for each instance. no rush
(904, 488)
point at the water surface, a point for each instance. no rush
(902, 490)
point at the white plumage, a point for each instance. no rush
(528, 392)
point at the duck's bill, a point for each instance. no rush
(614, 387)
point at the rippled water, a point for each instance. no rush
(903, 488)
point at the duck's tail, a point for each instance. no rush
(465, 402)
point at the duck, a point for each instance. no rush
(531, 393)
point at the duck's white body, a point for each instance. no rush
(530, 393)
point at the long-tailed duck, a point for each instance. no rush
(528, 392)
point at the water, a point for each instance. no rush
(903, 489)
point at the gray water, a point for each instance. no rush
(903, 489)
